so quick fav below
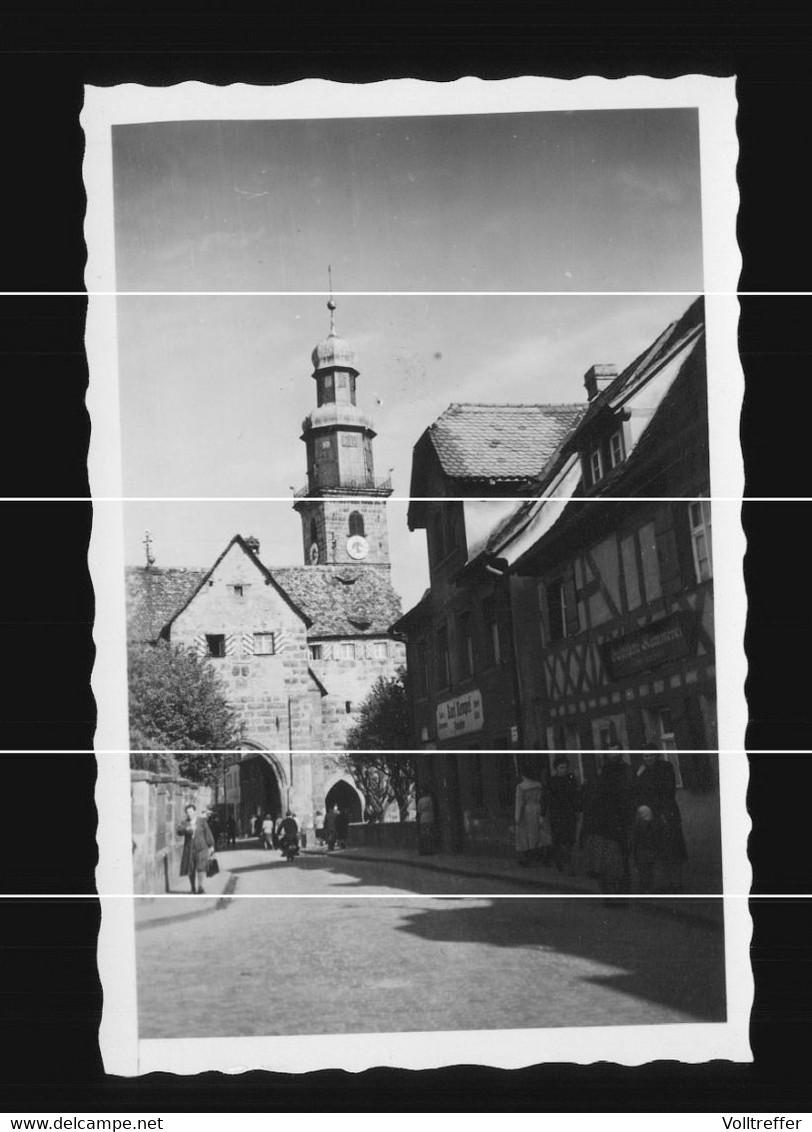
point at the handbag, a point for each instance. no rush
(213, 867)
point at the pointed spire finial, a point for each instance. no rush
(330, 303)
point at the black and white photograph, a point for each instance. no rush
(418, 570)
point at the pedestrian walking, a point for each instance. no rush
(607, 824)
(563, 807)
(267, 834)
(231, 832)
(528, 819)
(330, 832)
(198, 848)
(342, 829)
(658, 841)
(426, 824)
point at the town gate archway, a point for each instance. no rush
(263, 786)
(344, 795)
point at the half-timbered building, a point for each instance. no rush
(608, 573)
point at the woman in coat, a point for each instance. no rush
(607, 824)
(198, 848)
(528, 818)
(658, 835)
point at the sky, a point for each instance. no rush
(214, 387)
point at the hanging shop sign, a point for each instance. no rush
(654, 644)
(460, 716)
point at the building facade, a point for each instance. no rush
(606, 578)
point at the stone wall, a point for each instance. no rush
(350, 681)
(383, 835)
(158, 802)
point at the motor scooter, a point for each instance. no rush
(288, 839)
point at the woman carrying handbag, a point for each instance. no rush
(198, 849)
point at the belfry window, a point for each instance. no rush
(356, 523)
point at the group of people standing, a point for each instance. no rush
(336, 828)
(627, 819)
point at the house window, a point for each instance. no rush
(380, 651)
(326, 444)
(356, 523)
(347, 706)
(660, 729)
(216, 644)
(700, 519)
(556, 611)
(438, 536)
(650, 561)
(347, 650)
(493, 651)
(328, 381)
(315, 652)
(465, 646)
(616, 448)
(443, 667)
(239, 591)
(454, 528)
(314, 531)
(596, 465)
(264, 644)
(422, 666)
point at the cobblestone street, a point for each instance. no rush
(246, 967)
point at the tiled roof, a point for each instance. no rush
(500, 442)
(154, 596)
(342, 600)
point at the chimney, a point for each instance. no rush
(252, 544)
(598, 377)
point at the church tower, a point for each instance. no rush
(343, 505)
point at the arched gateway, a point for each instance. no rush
(346, 797)
(263, 787)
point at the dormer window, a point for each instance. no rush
(616, 448)
(596, 465)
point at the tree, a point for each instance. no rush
(384, 718)
(177, 703)
(381, 765)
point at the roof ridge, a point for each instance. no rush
(515, 405)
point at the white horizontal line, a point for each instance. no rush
(401, 294)
(405, 498)
(185, 897)
(412, 750)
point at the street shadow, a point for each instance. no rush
(676, 962)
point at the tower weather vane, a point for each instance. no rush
(331, 304)
(147, 542)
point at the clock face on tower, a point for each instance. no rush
(357, 547)
(313, 553)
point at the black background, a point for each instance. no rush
(51, 998)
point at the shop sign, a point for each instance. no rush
(667, 639)
(459, 716)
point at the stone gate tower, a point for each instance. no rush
(343, 505)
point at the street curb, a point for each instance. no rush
(653, 906)
(221, 902)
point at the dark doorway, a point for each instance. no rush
(259, 792)
(347, 800)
